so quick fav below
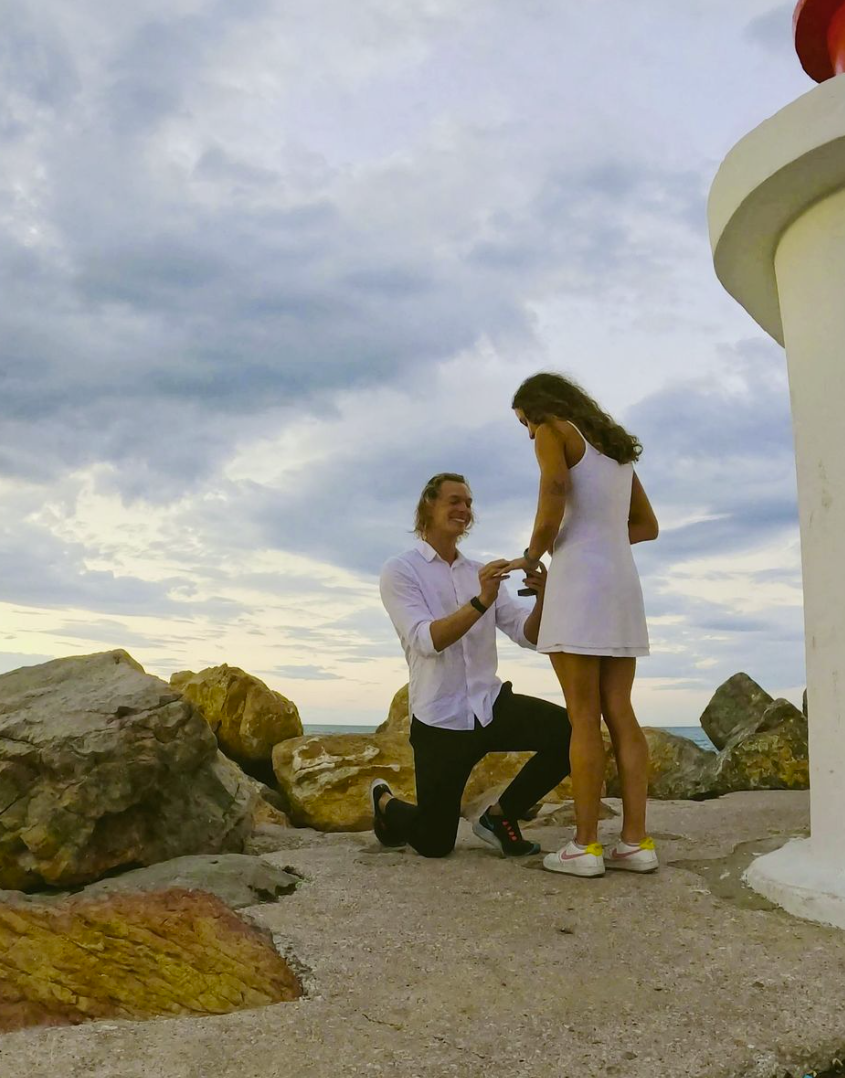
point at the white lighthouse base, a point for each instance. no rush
(802, 882)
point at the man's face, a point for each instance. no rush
(451, 512)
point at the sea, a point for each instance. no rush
(693, 733)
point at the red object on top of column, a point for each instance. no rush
(820, 37)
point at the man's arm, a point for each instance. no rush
(405, 603)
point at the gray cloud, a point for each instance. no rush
(190, 258)
(13, 660)
(167, 300)
(41, 570)
(300, 672)
(773, 29)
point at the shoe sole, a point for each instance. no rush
(487, 836)
(376, 815)
(561, 871)
(623, 867)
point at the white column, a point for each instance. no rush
(777, 225)
(810, 270)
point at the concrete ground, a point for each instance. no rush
(477, 966)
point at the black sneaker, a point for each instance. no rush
(498, 831)
(380, 825)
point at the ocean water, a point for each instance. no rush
(694, 733)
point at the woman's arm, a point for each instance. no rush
(642, 523)
(554, 483)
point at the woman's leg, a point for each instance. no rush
(629, 744)
(579, 678)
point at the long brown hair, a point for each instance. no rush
(430, 493)
(547, 394)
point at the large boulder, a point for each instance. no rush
(736, 710)
(772, 759)
(170, 952)
(247, 717)
(325, 780)
(678, 769)
(398, 719)
(103, 766)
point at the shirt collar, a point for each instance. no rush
(429, 553)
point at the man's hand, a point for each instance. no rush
(536, 580)
(490, 577)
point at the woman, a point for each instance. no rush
(591, 508)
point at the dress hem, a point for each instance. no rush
(609, 652)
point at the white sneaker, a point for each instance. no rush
(640, 858)
(576, 862)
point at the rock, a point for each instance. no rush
(237, 879)
(266, 815)
(776, 759)
(564, 815)
(104, 766)
(678, 768)
(398, 719)
(736, 710)
(779, 712)
(268, 802)
(325, 780)
(247, 717)
(134, 956)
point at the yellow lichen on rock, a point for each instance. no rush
(325, 780)
(170, 952)
(770, 760)
(247, 716)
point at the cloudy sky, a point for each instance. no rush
(265, 266)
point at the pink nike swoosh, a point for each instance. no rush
(617, 856)
(572, 856)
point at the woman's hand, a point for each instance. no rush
(536, 579)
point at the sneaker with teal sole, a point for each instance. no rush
(503, 835)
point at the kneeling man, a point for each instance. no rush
(446, 610)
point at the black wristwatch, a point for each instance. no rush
(478, 605)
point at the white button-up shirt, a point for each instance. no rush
(449, 688)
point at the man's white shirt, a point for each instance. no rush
(453, 687)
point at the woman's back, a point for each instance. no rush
(598, 500)
(593, 602)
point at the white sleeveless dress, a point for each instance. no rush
(594, 601)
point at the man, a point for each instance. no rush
(446, 610)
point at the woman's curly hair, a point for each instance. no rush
(547, 394)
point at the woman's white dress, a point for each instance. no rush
(594, 601)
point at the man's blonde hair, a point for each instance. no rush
(431, 492)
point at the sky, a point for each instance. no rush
(265, 267)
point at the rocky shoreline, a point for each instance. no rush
(126, 805)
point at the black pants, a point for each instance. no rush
(443, 760)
